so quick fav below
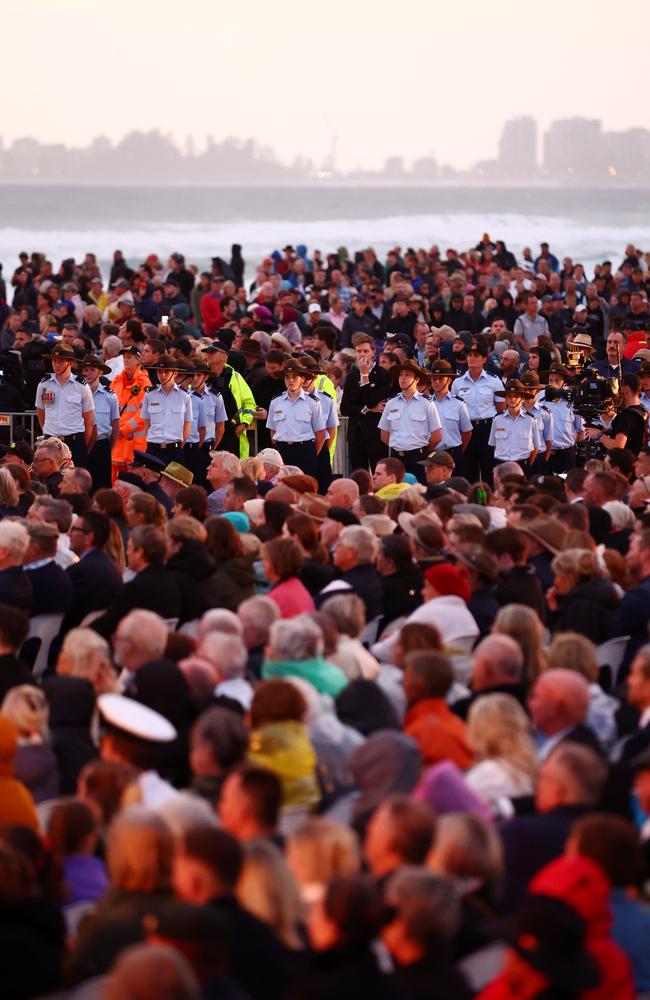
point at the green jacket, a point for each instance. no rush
(325, 677)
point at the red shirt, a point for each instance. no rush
(292, 598)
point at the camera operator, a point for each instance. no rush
(628, 426)
(568, 427)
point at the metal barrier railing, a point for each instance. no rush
(28, 422)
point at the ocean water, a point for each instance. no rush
(67, 221)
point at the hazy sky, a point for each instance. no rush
(412, 79)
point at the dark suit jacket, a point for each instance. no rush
(16, 588)
(52, 590)
(12, 673)
(529, 843)
(153, 589)
(95, 581)
(357, 396)
(463, 705)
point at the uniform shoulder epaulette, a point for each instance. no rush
(150, 388)
(394, 396)
(543, 406)
(105, 383)
(314, 396)
(278, 394)
(47, 377)
(80, 379)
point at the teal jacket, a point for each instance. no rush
(325, 677)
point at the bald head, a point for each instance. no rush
(343, 493)
(559, 700)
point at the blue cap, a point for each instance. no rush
(238, 519)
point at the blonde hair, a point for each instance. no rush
(8, 489)
(90, 658)
(498, 728)
(184, 528)
(27, 709)
(114, 547)
(522, 624)
(139, 851)
(253, 468)
(267, 889)
(573, 652)
(465, 846)
(581, 564)
(321, 849)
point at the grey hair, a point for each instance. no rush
(582, 770)
(256, 615)
(15, 538)
(348, 612)
(503, 653)
(112, 346)
(263, 339)
(363, 540)
(231, 464)
(508, 469)
(297, 638)
(220, 620)
(82, 644)
(226, 652)
(147, 631)
(428, 905)
(622, 516)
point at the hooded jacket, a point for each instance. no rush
(582, 884)
(589, 609)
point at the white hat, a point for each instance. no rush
(271, 456)
(135, 719)
(314, 307)
(126, 300)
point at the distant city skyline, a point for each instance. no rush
(569, 151)
(348, 85)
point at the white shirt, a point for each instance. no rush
(116, 366)
(496, 779)
(449, 614)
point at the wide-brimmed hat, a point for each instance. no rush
(413, 368)
(547, 531)
(294, 367)
(380, 524)
(63, 352)
(178, 474)
(310, 363)
(409, 523)
(167, 363)
(197, 366)
(313, 506)
(480, 561)
(514, 387)
(480, 512)
(532, 381)
(148, 461)
(557, 368)
(214, 347)
(583, 341)
(251, 348)
(442, 367)
(90, 361)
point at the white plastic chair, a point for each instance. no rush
(610, 654)
(90, 617)
(371, 631)
(43, 628)
(191, 628)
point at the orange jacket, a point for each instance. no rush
(439, 733)
(130, 396)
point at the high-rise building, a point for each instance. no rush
(573, 147)
(518, 149)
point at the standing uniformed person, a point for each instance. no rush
(237, 398)
(296, 422)
(64, 405)
(107, 421)
(208, 422)
(477, 389)
(644, 375)
(410, 424)
(514, 434)
(330, 415)
(129, 387)
(167, 413)
(568, 427)
(453, 413)
(544, 419)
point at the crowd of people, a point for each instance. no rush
(324, 605)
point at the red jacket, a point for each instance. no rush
(439, 733)
(211, 316)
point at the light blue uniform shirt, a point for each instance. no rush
(211, 411)
(409, 422)
(478, 396)
(645, 402)
(566, 424)
(455, 420)
(296, 419)
(544, 420)
(514, 438)
(64, 405)
(167, 412)
(107, 409)
(330, 415)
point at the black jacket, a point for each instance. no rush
(153, 589)
(463, 705)
(96, 581)
(230, 583)
(520, 585)
(588, 608)
(484, 608)
(51, 589)
(12, 673)
(191, 565)
(366, 582)
(16, 588)
(345, 972)
(357, 397)
(402, 594)
(72, 703)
